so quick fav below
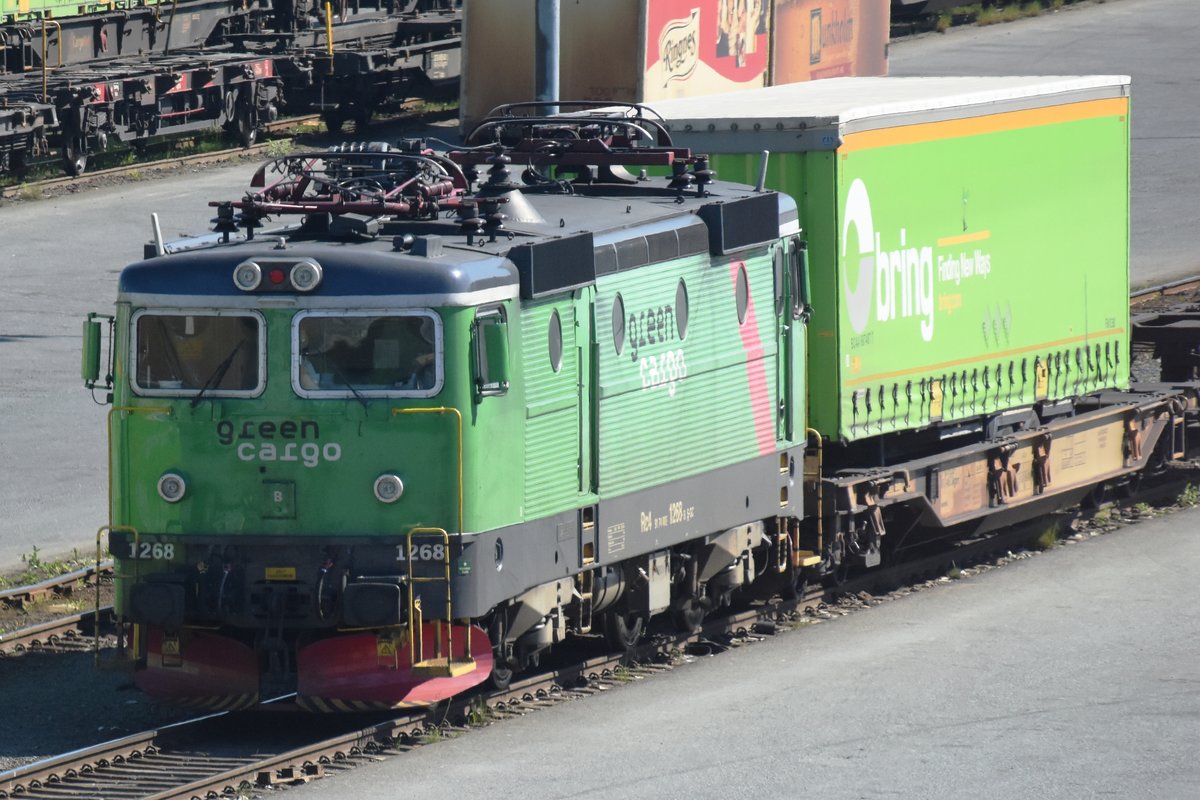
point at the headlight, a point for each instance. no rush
(247, 276)
(388, 488)
(305, 276)
(172, 487)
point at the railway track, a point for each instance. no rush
(75, 631)
(223, 755)
(194, 159)
(58, 586)
(1173, 292)
(407, 115)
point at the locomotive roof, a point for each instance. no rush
(550, 242)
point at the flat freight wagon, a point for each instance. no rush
(968, 238)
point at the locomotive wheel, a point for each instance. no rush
(687, 615)
(795, 585)
(244, 129)
(623, 631)
(501, 676)
(74, 157)
(502, 671)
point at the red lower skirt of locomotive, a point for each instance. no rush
(353, 672)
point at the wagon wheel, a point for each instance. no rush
(74, 156)
(334, 119)
(623, 631)
(244, 128)
(687, 614)
(362, 117)
(795, 584)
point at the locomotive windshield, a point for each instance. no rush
(178, 353)
(355, 355)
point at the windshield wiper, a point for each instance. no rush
(218, 374)
(337, 373)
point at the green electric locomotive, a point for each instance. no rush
(448, 419)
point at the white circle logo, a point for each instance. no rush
(858, 214)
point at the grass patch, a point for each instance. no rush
(480, 714)
(955, 573)
(1189, 497)
(435, 106)
(278, 148)
(36, 569)
(29, 192)
(1048, 539)
(994, 16)
(993, 12)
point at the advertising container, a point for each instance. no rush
(968, 238)
(644, 50)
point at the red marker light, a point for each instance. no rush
(277, 276)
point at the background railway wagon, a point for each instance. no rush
(94, 76)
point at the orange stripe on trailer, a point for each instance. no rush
(958, 362)
(966, 238)
(988, 123)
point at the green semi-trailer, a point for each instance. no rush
(968, 237)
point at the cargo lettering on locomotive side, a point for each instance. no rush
(310, 453)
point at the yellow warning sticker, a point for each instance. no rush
(1041, 380)
(281, 573)
(935, 400)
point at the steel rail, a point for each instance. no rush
(199, 159)
(18, 596)
(194, 159)
(71, 632)
(1176, 287)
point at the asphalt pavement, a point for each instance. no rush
(1069, 675)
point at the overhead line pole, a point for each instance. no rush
(546, 48)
